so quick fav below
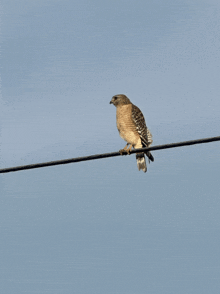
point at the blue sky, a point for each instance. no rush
(102, 226)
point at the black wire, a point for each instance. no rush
(106, 155)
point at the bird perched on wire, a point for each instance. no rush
(132, 128)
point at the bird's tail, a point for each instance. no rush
(141, 162)
(150, 156)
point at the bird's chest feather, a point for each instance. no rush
(125, 124)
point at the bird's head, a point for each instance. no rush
(120, 99)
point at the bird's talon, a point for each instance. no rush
(122, 151)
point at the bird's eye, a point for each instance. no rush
(116, 97)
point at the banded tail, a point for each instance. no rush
(141, 162)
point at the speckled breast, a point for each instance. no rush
(125, 124)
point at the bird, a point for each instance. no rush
(132, 128)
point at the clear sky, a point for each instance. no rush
(102, 226)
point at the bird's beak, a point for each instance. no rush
(111, 102)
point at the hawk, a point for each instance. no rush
(132, 128)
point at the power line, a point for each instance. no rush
(106, 155)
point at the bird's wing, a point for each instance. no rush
(143, 131)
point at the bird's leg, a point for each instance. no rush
(129, 149)
(126, 150)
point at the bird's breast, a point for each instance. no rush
(125, 124)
